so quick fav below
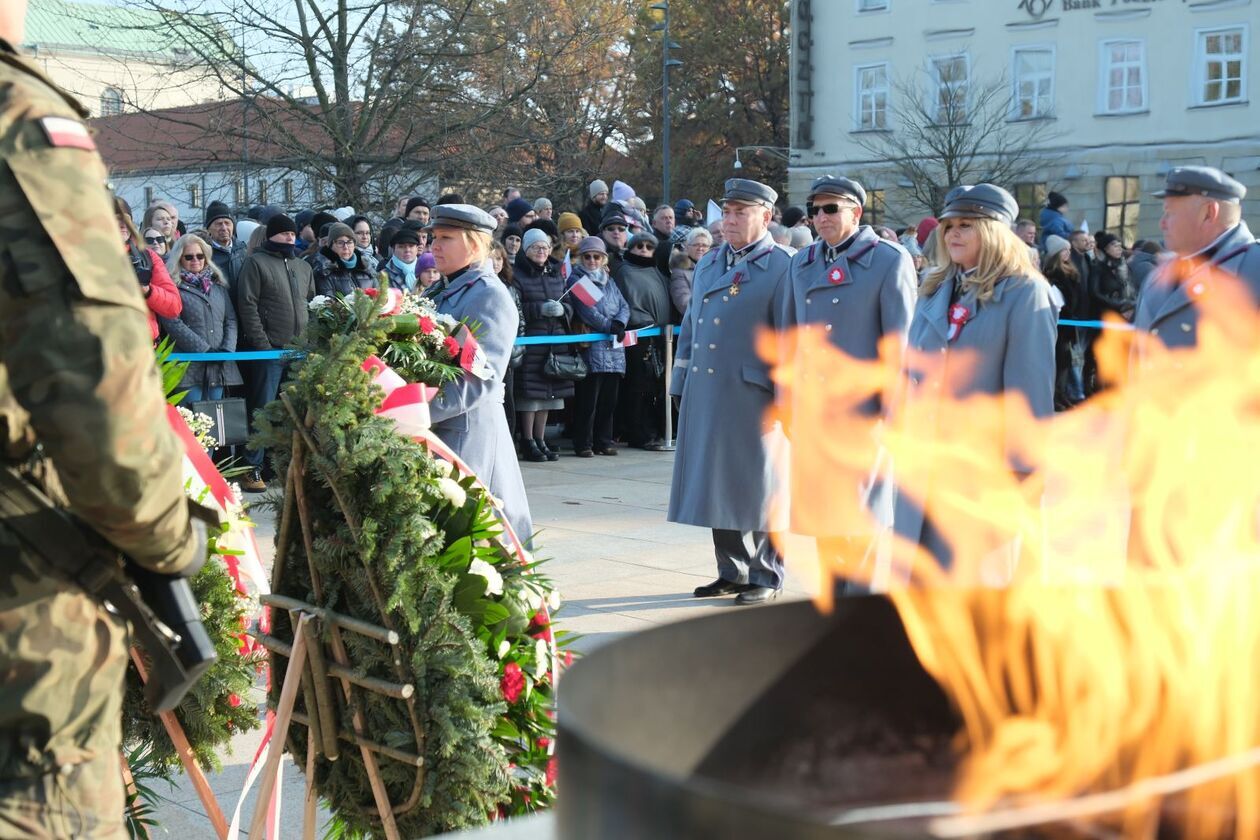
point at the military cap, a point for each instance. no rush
(836, 185)
(981, 201)
(404, 236)
(1202, 180)
(750, 192)
(464, 216)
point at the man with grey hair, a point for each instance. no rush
(715, 230)
(542, 207)
(1203, 226)
(781, 236)
(801, 236)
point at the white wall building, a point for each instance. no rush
(1126, 89)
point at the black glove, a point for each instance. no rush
(619, 330)
(142, 266)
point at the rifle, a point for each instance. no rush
(163, 613)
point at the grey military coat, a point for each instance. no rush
(1165, 310)
(866, 294)
(468, 413)
(1009, 349)
(723, 472)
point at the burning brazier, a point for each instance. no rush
(777, 722)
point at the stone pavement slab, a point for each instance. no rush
(619, 566)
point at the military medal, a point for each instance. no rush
(835, 277)
(957, 317)
(739, 278)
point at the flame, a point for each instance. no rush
(1098, 626)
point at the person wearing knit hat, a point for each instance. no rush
(510, 236)
(1053, 220)
(595, 396)
(305, 235)
(319, 222)
(926, 226)
(793, 216)
(428, 277)
(542, 207)
(597, 197)
(520, 211)
(340, 266)
(548, 227)
(273, 288)
(225, 252)
(571, 232)
(1113, 287)
(1056, 245)
(417, 210)
(535, 236)
(547, 312)
(1070, 296)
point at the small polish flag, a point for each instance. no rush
(566, 267)
(631, 339)
(587, 291)
(471, 357)
(67, 133)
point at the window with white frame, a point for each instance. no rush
(952, 77)
(1033, 72)
(871, 97)
(1222, 65)
(111, 102)
(1123, 76)
(872, 5)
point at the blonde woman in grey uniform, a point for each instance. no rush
(984, 301)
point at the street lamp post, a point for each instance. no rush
(666, 63)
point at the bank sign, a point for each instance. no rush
(1038, 9)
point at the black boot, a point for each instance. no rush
(533, 453)
(549, 454)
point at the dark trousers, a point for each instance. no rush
(262, 384)
(640, 412)
(594, 403)
(747, 557)
(509, 401)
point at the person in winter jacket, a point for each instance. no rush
(1113, 287)
(206, 321)
(1144, 260)
(226, 253)
(400, 269)
(1069, 347)
(340, 267)
(682, 266)
(429, 281)
(1053, 219)
(571, 235)
(640, 410)
(273, 290)
(593, 211)
(542, 289)
(502, 268)
(596, 395)
(155, 283)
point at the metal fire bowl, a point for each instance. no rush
(653, 727)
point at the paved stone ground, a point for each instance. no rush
(619, 566)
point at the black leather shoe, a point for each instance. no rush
(756, 595)
(533, 453)
(548, 453)
(720, 587)
(585, 453)
(606, 450)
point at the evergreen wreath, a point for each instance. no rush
(395, 537)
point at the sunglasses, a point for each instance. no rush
(644, 246)
(830, 209)
(154, 240)
(615, 229)
(193, 258)
(592, 257)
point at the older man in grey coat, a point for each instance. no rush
(855, 289)
(723, 474)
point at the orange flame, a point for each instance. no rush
(1123, 536)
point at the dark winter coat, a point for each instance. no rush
(1089, 309)
(538, 285)
(333, 277)
(206, 324)
(228, 259)
(591, 215)
(1053, 223)
(645, 289)
(602, 356)
(681, 271)
(1114, 288)
(271, 298)
(1141, 264)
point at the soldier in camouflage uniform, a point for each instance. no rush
(81, 410)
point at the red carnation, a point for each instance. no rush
(543, 742)
(371, 292)
(541, 622)
(568, 658)
(452, 346)
(426, 325)
(551, 772)
(512, 683)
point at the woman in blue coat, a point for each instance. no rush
(983, 324)
(467, 414)
(596, 395)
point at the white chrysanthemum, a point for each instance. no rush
(542, 659)
(446, 321)
(443, 468)
(318, 302)
(534, 598)
(452, 492)
(553, 600)
(504, 647)
(494, 580)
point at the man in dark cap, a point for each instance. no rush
(417, 210)
(1203, 226)
(404, 253)
(520, 212)
(723, 472)
(226, 253)
(320, 223)
(855, 289)
(305, 234)
(273, 290)
(614, 230)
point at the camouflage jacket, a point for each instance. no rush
(77, 372)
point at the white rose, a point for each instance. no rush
(494, 580)
(318, 302)
(452, 492)
(504, 647)
(553, 600)
(447, 321)
(542, 659)
(534, 599)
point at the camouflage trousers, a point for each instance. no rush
(62, 662)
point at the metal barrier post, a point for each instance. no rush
(668, 332)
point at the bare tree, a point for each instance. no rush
(959, 133)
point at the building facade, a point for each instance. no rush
(1113, 94)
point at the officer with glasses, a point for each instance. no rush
(853, 289)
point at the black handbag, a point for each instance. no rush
(231, 421)
(569, 367)
(653, 364)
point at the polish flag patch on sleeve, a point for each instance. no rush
(65, 133)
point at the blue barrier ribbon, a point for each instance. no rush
(1095, 325)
